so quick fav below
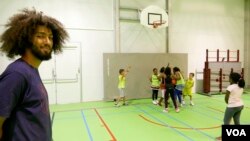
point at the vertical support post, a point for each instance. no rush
(206, 80)
(218, 55)
(206, 55)
(238, 55)
(117, 25)
(220, 80)
(242, 73)
(206, 65)
(228, 55)
(167, 29)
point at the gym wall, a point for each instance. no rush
(137, 80)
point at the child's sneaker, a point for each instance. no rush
(165, 110)
(154, 102)
(125, 104)
(191, 103)
(183, 102)
(177, 110)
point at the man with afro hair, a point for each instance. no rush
(30, 36)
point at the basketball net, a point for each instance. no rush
(158, 23)
(155, 25)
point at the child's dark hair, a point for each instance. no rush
(168, 71)
(162, 70)
(175, 69)
(192, 74)
(154, 69)
(237, 79)
(121, 70)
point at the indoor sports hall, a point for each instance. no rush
(107, 38)
(142, 121)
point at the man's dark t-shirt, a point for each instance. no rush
(24, 104)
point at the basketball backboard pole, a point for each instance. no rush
(167, 31)
(117, 26)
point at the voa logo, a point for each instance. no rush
(236, 132)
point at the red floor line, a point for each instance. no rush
(184, 128)
(105, 125)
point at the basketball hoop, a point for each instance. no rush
(154, 17)
(158, 23)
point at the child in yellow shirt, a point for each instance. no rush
(155, 85)
(121, 86)
(187, 90)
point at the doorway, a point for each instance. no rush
(62, 75)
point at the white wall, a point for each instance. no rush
(136, 38)
(194, 26)
(94, 44)
(197, 25)
(89, 22)
(247, 43)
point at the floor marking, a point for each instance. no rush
(206, 114)
(247, 107)
(91, 108)
(52, 119)
(106, 126)
(216, 109)
(179, 132)
(224, 112)
(86, 125)
(184, 128)
(153, 108)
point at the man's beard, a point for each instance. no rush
(38, 54)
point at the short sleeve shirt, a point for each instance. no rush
(155, 81)
(122, 81)
(188, 86)
(24, 104)
(235, 99)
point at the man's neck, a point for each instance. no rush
(31, 59)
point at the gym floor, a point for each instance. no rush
(142, 121)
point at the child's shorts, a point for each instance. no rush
(121, 92)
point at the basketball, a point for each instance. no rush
(174, 81)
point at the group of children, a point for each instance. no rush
(174, 85)
(171, 85)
